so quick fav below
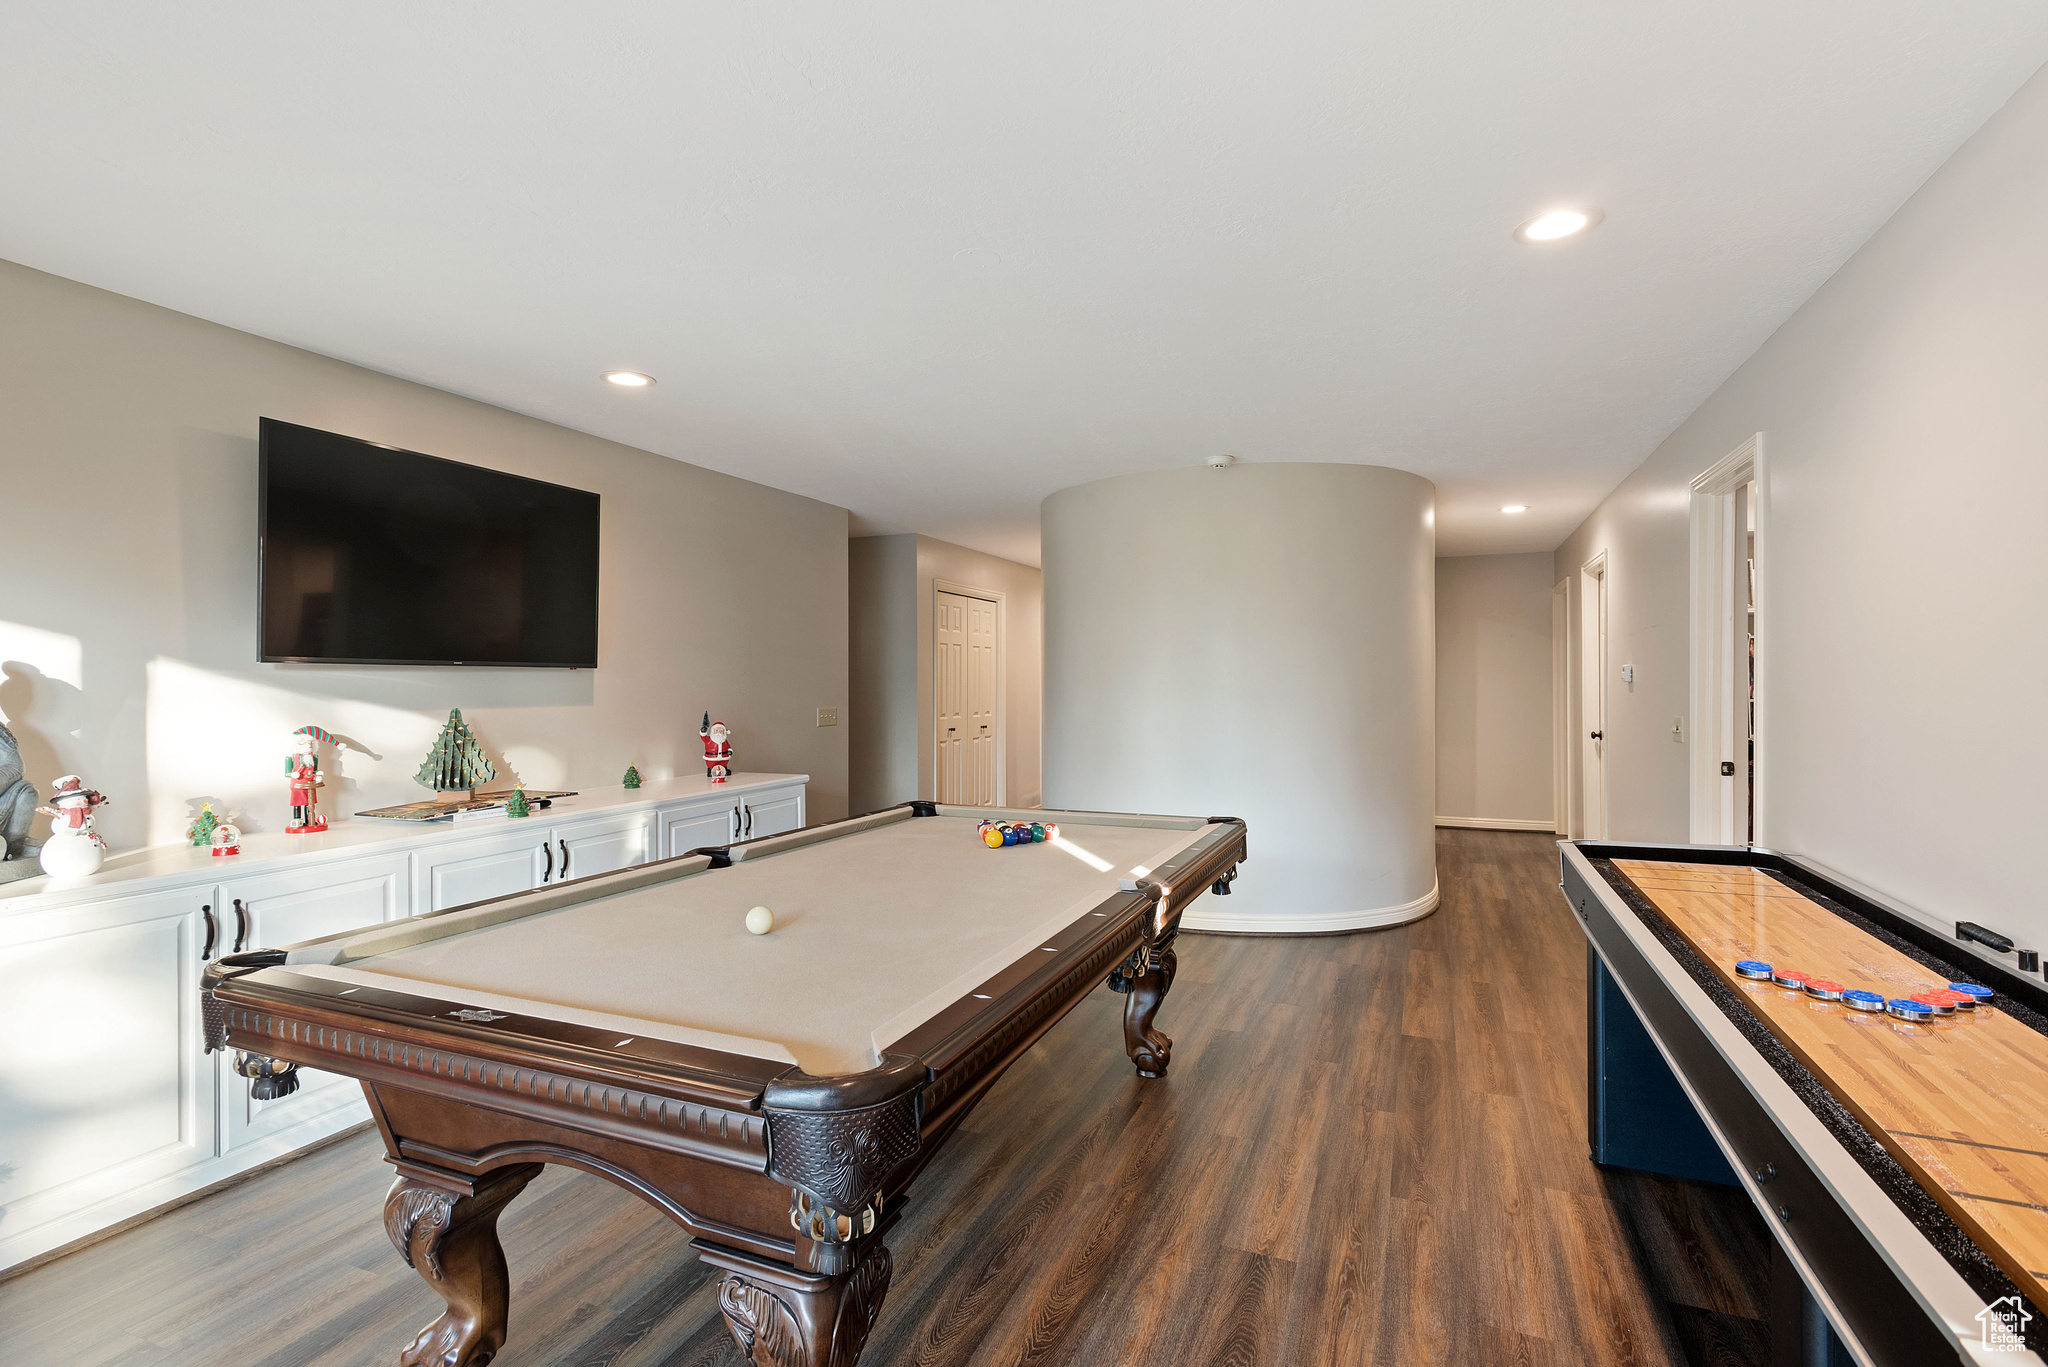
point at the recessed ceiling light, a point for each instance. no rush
(1558, 223)
(628, 379)
(1516, 508)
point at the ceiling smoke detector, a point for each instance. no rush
(1221, 462)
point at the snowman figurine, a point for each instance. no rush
(74, 848)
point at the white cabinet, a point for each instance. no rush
(721, 820)
(602, 845)
(694, 827)
(771, 813)
(503, 862)
(108, 1104)
(102, 1084)
(283, 908)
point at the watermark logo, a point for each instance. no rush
(2005, 1325)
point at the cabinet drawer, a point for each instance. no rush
(485, 866)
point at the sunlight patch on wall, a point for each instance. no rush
(224, 739)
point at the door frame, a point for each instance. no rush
(1592, 642)
(1560, 707)
(1715, 705)
(995, 596)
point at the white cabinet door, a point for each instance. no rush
(102, 1085)
(771, 812)
(602, 845)
(284, 908)
(485, 866)
(688, 828)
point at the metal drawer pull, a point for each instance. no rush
(548, 873)
(212, 933)
(565, 857)
(241, 926)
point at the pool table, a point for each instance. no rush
(777, 1094)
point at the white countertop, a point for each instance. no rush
(353, 835)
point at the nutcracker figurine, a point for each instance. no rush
(717, 749)
(304, 767)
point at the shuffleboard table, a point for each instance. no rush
(775, 1095)
(1897, 1150)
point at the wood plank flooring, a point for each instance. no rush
(1371, 1149)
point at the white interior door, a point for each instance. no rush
(949, 689)
(1560, 708)
(1593, 698)
(981, 702)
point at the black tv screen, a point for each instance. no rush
(373, 555)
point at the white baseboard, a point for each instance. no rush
(1314, 923)
(1497, 823)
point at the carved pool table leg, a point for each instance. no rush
(783, 1317)
(445, 1226)
(1148, 1048)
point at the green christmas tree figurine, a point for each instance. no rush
(201, 830)
(517, 805)
(632, 776)
(456, 764)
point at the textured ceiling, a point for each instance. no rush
(933, 262)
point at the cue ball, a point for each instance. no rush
(760, 921)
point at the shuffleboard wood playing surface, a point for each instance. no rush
(1961, 1103)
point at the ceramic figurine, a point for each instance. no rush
(227, 838)
(632, 779)
(517, 805)
(456, 764)
(200, 832)
(17, 800)
(303, 765)
(74, 848)
(717, 749)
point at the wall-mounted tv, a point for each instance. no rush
(373, 555)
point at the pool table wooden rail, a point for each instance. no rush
(785, 1181)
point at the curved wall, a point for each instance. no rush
(1256, 641)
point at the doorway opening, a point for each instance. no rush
(1560, 708)
(1728, 523)
(967, 692)
(1592, 747)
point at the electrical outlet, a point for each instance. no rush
(1628, 674)
(828, 716)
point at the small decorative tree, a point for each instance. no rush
(456, 764)
(632, 776)
(517, 805)
(200, 832)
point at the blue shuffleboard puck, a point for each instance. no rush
(1977, 995)
(1906, 1009)
(1856, 999)
(1752, 968)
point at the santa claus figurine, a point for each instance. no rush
(304, 767)
(717, 749)
(227, 839)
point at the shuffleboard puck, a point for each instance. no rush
(1752, 968)
(1857, 999)
(1906, 1009)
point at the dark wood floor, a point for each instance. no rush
(1371, 1150)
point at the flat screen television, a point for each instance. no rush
(373, 555)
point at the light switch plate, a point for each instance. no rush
(828, 716)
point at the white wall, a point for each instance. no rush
(1493, 722)
(128, 599)
(1254, 642)
(1903, 642)
(895, 707)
